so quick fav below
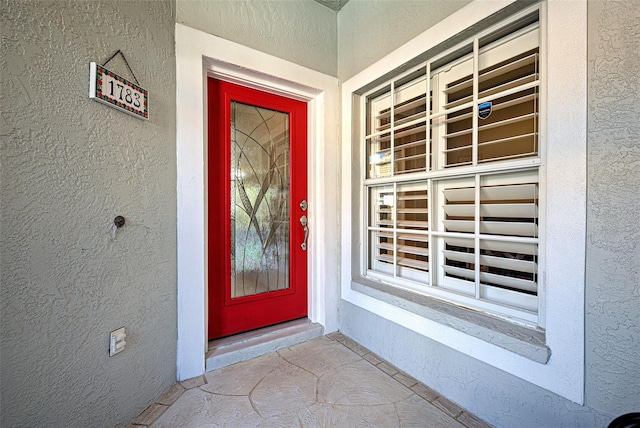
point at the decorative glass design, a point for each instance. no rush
(259, 200)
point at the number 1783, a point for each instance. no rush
(123, 93)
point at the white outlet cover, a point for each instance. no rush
(116, 341)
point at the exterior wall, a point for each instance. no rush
(368, 30)
(612, 275)
(501, 399)
(69, 166)
(613, 210)
(300, 31)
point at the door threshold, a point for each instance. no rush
(241, 347)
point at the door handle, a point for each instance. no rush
(304, 222)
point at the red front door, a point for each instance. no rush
(257, 182)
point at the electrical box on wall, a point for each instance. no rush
(116, 341)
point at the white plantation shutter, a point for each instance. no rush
(406, 143)
(458, 253)
(508, 79)
(381, 236)
(453, 204)
(508, 268)
(413, 223)
(398, 236)
(410, 136)
(505, 270)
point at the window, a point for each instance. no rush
(451, 181)
(403, 295)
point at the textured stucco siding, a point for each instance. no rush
(612, 277)
(300, 31)
(369, 30)
(613, 232)
(69, 166)
(497, 397)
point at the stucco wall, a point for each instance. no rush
(613, 255)
(368, 30)
(497, 397)
(613, 210)
(69, 166)
(301, 31)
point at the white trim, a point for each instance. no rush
(197, 54)
(563, 276)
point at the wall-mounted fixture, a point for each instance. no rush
(119, 221)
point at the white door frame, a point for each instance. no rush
(199, 55)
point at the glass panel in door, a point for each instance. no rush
(260, 179)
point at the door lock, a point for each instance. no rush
(304, 222)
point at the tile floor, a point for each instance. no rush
(330, 381)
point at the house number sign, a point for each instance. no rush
(107, 87)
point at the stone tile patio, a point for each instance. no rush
(330, 381)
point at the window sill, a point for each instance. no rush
(514, 338)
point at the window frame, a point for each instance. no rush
(562, 278)
(436, 172)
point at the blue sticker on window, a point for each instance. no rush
(484, 110)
